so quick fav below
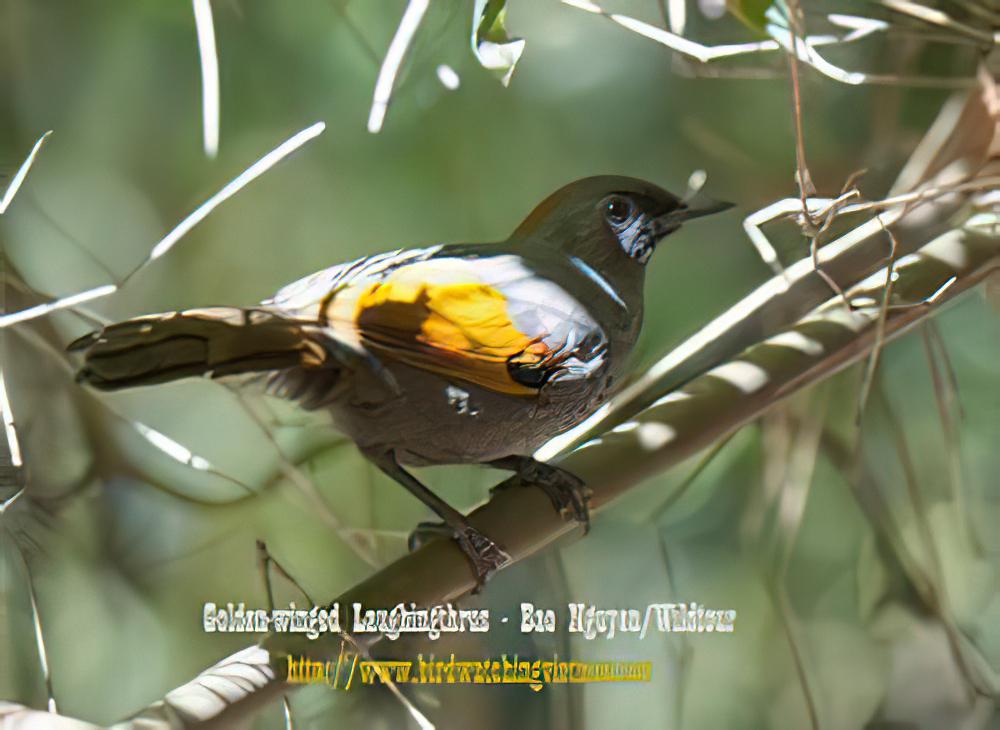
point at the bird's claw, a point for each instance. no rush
(485, 555)
(569, 494)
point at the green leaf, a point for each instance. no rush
(494, 48)
(753, 13)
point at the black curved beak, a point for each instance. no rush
(697, 206)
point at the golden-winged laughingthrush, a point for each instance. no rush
(457, 353)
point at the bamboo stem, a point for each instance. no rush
(711, 406)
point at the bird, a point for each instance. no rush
(444, 354)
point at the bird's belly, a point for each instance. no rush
(436, 421)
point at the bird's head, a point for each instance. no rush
(611, 223)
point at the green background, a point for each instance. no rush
(124, 546)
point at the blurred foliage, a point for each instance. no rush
(490, 41)
(124, 545)
(751, 12)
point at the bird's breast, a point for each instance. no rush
(437, 420)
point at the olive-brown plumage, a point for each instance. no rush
(445, 354)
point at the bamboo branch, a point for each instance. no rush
(920, 207)
(786, 335)
(673, 428)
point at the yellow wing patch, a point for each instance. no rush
(458, 329)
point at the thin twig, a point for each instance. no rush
(783, 608)
(940, 601)
(22, 172)
(934, 16)
(408, 26)
(873, 358)
(199, 214)
(802, 177)
(369, 49)
(308, 488)
(43, 656)
(936, 342)
(7, 415)
(953, 448)
(857, 28)
(691, 477)
(163, 443)
(684, 649)
(209, 57)
(264, 562)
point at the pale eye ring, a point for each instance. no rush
(619, 211)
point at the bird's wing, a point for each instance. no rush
(307, 296)
(488, 320)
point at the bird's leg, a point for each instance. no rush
(486, 556)
(569, 494)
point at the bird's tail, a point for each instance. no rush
(214, 342)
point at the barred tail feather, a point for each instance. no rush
(214, 342)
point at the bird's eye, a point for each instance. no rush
(618, 210)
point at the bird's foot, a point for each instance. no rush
(569, 494)
(485, 555)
